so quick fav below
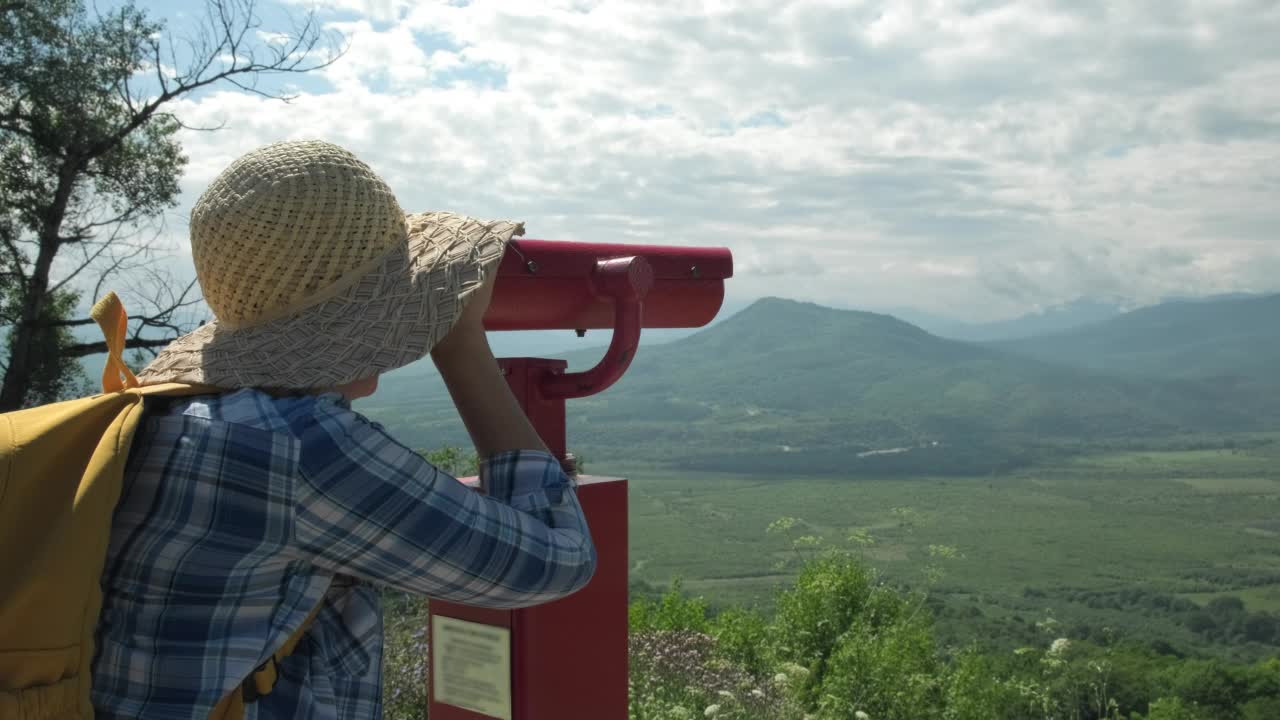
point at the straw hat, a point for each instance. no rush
(317, 278)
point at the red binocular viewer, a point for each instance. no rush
(545, 285)
(552, 285)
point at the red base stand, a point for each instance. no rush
(568, 658)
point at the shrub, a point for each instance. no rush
(404, 666)
(1173, 708)
(813, 616)
(742, 637)
(678, 673)
(672, 611)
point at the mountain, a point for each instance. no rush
(1231, 339)
(1053, 319)
(793, 386)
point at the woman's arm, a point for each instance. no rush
(487, 406)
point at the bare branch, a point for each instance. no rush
(95, 348)
(163, 318)
(110, 247)
(89, 259)
(80, 233)
(193, 128)
(261, 93)
(231, 31)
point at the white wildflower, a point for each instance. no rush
(1059, 646)
(712, 710)
(725, 694)
(780, 678)
(794, 670)
(757, 693)
(861, 716)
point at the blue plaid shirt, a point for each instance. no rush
(240, 512)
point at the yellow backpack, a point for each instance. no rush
(61, 474)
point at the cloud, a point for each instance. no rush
(973, 158)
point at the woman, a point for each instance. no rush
(244, 510)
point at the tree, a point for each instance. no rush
(89, 162)
(1262, 628)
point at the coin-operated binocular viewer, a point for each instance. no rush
(567, 660)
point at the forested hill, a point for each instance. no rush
(792, 384)
(1230, 338)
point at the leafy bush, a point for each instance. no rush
(841, 644)
(405, 656)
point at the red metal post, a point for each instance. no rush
(568, 657)
(526, 377)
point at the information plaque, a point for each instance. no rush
(471, 666)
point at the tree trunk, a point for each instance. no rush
(17, 378)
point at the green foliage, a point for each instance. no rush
(885, 665)
(822, 605)
(843, 646)
(405, 659)
(1057, 536)
(1175, 708)
(673, 611)
(89, 157)
(1262, 708)
(75, 157)
(972, 691)
(742, 636)
(454, 461)
(59, 376)
(1212, 685)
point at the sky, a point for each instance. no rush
(973, 159)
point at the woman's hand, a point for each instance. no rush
(468, 331)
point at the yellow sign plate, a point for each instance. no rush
(471, 666)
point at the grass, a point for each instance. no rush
(1266, 597)
(1195, 524)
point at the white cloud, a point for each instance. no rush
(973, 157)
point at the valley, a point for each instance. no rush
(1118, 477)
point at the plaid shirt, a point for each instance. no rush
(240, 512)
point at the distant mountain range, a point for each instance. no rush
(1231, 339)
(784, 384)
(1052, 319)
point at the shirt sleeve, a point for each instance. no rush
(369, 507)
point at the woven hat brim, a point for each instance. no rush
(392, 317)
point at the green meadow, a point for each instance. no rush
(1105, 540)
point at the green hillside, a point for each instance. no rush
(793, 385)
(1234, 339)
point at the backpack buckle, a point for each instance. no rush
(261, 681)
